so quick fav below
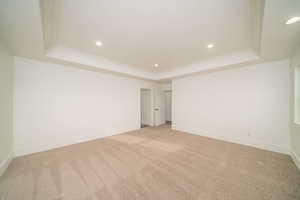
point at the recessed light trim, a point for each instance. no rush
(155, 65)
(209, 46)
(98, 43)
(293, 20)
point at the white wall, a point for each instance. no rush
(146, 108)
(295, 107)
(6, 87)
(55, 105)
(247, 105)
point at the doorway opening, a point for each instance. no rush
(168, 106)
(145, 107)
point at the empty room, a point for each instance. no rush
(150, 100)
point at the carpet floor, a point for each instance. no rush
(152, 164)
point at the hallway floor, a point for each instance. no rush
(152, 163)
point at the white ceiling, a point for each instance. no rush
(136, 34)
(141, 33)
(278, 40)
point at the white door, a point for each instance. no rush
(145, 107)
(168, 105)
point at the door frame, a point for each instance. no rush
(151, 123)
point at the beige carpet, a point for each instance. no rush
(153, 163)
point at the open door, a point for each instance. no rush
(168, 107)
(145, 107)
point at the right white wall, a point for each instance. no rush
(295, 107)
(6, 109)
(247, 105)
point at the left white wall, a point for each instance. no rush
(55, 105)
(6, 87)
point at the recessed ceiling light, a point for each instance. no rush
(155, 65)
(292, 20)
(99, 43)
(210, 46)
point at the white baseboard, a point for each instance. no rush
(247, 142)
(5, 163)
(296, 159)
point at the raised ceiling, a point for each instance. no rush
(136, 34)
(140, 33)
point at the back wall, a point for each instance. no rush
(247, 105)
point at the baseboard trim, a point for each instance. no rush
(252, 143)
(5, 163)
(296, 159)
